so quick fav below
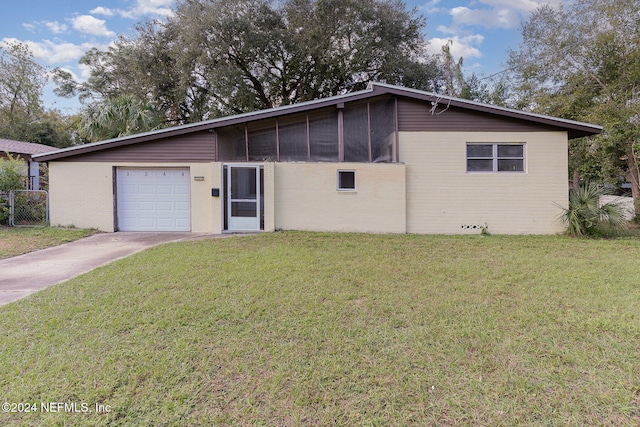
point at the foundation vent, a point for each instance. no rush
(472, 227)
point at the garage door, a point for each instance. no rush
(153, 200)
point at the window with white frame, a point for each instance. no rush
(494, 157)
(346, 180)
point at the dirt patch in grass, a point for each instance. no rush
(17, 241)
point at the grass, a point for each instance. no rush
(337, 329)
(17, 241)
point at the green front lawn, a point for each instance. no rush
(17, 241)
(336, 329)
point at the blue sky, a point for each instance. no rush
(60, 31)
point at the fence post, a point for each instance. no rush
(11, 204)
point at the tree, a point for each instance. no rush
(22, 114)
(53, 128)
(145, 67)
(454, 83)
(21, 84)
(219, 57)
(453, 79)
(13, 171)
(116, 117)
(583, 63)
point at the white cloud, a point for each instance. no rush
(54, 53)
(72, 72)
(506, 14)
(55, 27)
(85, 72)
(465, 47)
(104, 11)
(430, 7)
(490, 18)
(149, 7)
(521, 5)
(90, 25)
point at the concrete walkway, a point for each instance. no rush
(25, 274)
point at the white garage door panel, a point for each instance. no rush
(183, 223)
(153, 200)
(182, 189)
(164, 190)
(165, 222)
(165, 206)
(146, 189)
(146, 222)
(182, 206)
(146, 207)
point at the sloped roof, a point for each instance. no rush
(21, 147)
(575, 129)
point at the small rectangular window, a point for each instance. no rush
(495, 157)
(346, 180)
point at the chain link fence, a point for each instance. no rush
(28, 208)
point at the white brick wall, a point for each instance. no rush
(306, 198)
(269, 196)
(80, 194)
(429, 192)
(443, 198)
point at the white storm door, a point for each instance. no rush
(154, 199)
(243, 198)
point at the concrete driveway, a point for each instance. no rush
(25, 274)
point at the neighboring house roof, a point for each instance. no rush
(573, 128)
(21, 147)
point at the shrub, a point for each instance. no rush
(585, 215)
(4, 208)
(12, 177)
(12, 174)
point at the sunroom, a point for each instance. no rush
(361, 131)
(353, 132)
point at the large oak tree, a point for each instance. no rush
(218, 57)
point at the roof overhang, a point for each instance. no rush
(24, 148)
(574, 129)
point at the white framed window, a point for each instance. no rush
(495, 157)
(346, 180)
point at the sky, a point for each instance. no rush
(59, 32)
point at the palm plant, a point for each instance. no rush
(116, 117)
(586, 214)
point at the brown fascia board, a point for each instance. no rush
(574, 129)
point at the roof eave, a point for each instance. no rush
(574, 129)
(209, 124)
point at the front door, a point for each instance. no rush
(244, 198)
